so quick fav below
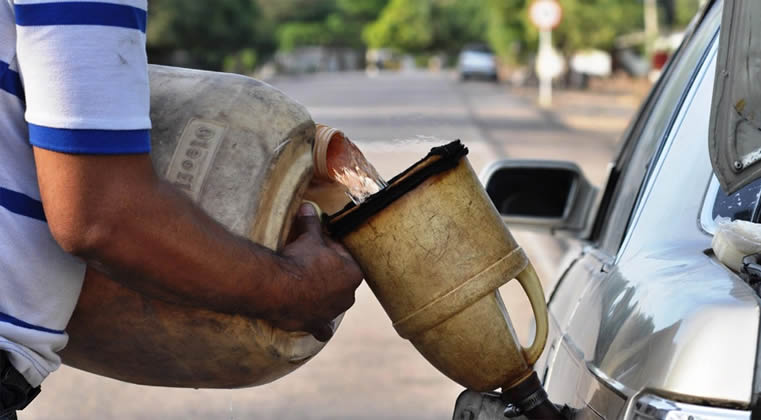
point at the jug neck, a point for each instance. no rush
(323, 136)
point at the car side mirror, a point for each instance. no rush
(553, 195)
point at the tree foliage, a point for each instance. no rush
(458, 22)
(235, 34)
(507, 26)
(295, 34)
(596, 23)
(337, 23)
(207, 35)
(585, 24)
(362, 10)
(404, 25)
(428, 25)
(682, 11)
(282, 11)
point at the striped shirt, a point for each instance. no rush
(73, 79)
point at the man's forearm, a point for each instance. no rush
(167, 248)
(145, 234)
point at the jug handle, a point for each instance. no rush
(533, 288)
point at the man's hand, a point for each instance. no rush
(321, 279)
(115, 213)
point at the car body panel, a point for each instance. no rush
(659, 313)
(698, 319)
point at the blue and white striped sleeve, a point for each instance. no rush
(85, 74)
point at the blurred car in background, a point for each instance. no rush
(477, 61)
(586, 64)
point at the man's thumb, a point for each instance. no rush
(308, 220)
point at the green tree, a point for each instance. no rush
(337, 23)
(428, 25)
(595, 23)
(507, 27)
(361, 10)
(282, 11)
(295, 34)
(585, 24)
(458, 22)
(351, 18)
(405, 25)
(206, 35)
(684, 11)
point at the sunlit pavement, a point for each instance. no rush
(367, 371)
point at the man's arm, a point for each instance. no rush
(115, 213)
(86, 85)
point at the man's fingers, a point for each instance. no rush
(322, 332)
(307, 221)
(289, 325)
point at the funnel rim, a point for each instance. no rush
(439, 160)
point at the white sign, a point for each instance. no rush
(545, 14)
(549, 63)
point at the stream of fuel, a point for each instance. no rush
(350, 168)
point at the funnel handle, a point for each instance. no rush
(533, 288)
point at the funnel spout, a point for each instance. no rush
(529, 399)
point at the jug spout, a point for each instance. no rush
(323, 136)
(339, 160)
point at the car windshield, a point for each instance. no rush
(740, 205)
(650, 129)
(744, 204)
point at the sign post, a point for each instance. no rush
(546, 15)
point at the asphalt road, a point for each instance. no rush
(367, 371)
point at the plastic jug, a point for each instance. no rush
(434, 250)
(243, 151)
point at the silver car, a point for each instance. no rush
(645, 322)
(477, 60)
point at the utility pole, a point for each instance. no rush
(546, 15)
(651, 25)
(545, 80)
